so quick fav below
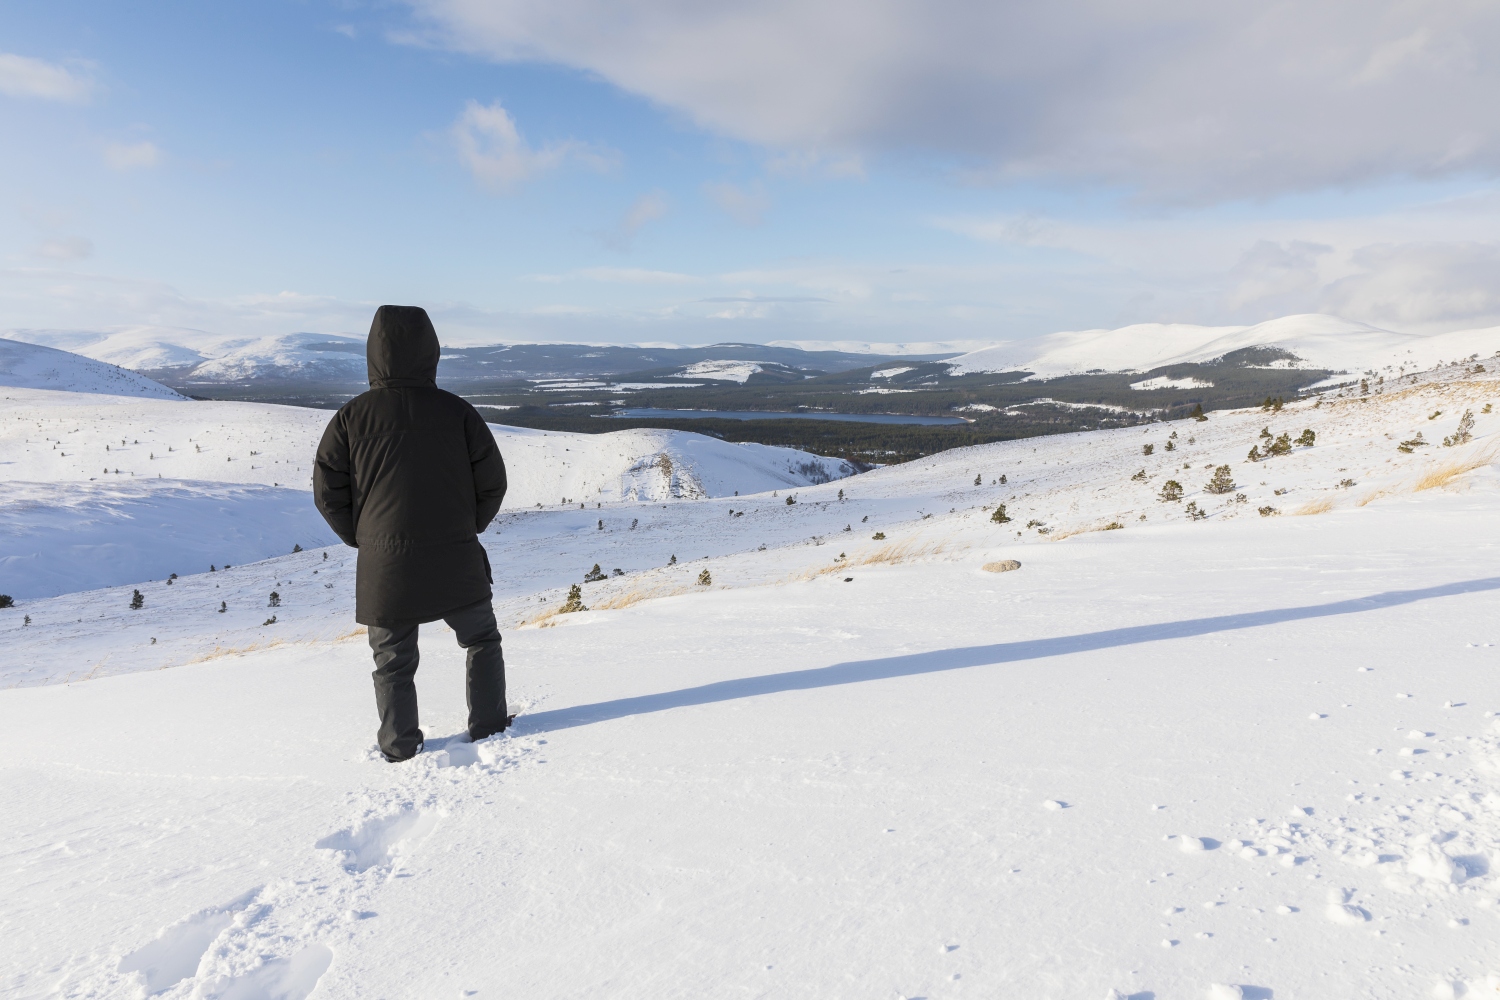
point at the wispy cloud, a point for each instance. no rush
(22, 76)
(64, 248)
(132, 155)
(500, 158)
(746, 205)
(646, 209)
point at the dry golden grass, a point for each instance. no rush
(611, 602)
(1320, 506)
(1449, 471)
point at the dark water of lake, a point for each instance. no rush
(860, 418)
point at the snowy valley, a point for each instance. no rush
(813, 736)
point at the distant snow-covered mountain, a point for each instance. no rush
(29, 366)
(1306, 341)
(199, 356)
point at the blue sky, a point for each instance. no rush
(668, 171)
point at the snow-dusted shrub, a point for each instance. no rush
(1113, 526)
(275, 601)
(1139, 477)
(1281, 446)
(269, 621)
(137, 600)
(6, 601)
(1002, 478)
(673, 561)
(1192, 511)
(879, 536)
(574, 601)
(790, 500)
(1255, 455)
(1411, 445)
(978, 481)
(1464, 433)
(1171, 446)
(223, 607)
(1307, 438)
(1147, 449)
(1222, 481)
(1171, 491)
(1000, 517)
(1268, 511)
(704, 579)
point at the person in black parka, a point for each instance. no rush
(410, 475)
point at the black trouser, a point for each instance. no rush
(396, 692)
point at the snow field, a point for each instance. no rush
(28, 366)
(821, 789)
(1244, 756)
(133, 466)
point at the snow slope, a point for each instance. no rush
(90, 480)
(1319, 341)
(209, 356)
(27, 366)
(1242, 756)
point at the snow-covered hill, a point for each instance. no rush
(1317, 341)
(87, 483)
(1180, 752)
(209, 357)
(28, 366)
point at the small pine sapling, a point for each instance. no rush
(618, 572)
(1487, 407)
(1346, 484)
(137, 600)
(1171, 491)
(1281, 446)
(1147, 449)
(1435, 414)
(978, 480)
(601, 524)
(6, 601)
(1000, 517)
(672, 561)
(574, 601)
(1033, 523)
(790, 500)
(297, 548)
(1307, 438)
(1171, 446)
(1255, 455)
(275, 601)
(26, 620)
(704, 579)
(593, 575)
(633, 522)
(1221, 483)
(1193, 513)
(269, 621)
(1197, 413)
(223, 607)
(1268, 511)
(879, 536)
(1240, 498)
(1139, 477)
(1464, 433)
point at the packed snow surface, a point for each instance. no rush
(1243, 755)
(1318, 341)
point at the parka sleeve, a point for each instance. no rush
(333, 490)
(489, 470)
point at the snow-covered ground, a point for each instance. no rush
(1319, 341)
(1238, 756)
(107, 490)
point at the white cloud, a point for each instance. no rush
(65, 248)
(1424, 287)
(22, 76)
(1178, 99)
(746, 205)
(132, 155)
(500, 158)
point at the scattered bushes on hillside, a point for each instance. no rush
(1273, 405)
(1000, 517)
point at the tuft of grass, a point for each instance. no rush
(1321, 506)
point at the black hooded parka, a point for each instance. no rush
(410, 475)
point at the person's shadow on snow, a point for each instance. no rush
(858, 671)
